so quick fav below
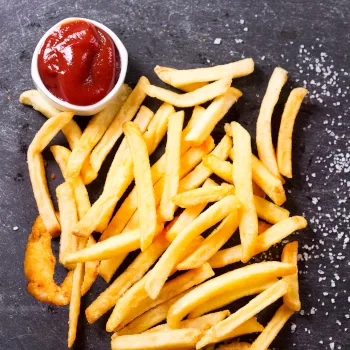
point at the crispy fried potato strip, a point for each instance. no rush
(235, 346)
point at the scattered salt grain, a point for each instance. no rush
(217, 41)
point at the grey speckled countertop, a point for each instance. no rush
(310, 39)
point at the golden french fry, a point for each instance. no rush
(136, 301)
(212, 115)
(171, 257)
(212, 243)
(94, 131)
(201, 323)
(191, 87)
(221, 168)
(107, 249)
(172, 171)
(284, 143)
(249, 326)
(144, 184)
(133, 273)
(174, 339)
(268, 238)
(61, 155)
(189, 99)
(290, 255)
(74, 306)
(179, 78)
(231, 296)
(262, 226)
(37, 170)
(242, 178)
(223, 329)
(114, 131)
(263, 126)
(268, 211)
(202, 195)
(249, 274)
(263, 341)
(235, 346)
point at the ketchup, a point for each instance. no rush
(79, 63)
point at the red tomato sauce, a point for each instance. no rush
(79, 63)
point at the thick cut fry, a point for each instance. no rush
(268, 238)
(249, 274)
(174, 339)
(107, 249)
(284, 143)
(202, 195)
(235, 346)
(144, 185)
(190, 99)
(242, 178)
(136, 301)
(179, 78)
(231, 296)
(37, 170)
(212, 243)
(222, 330)
(74, 306)
(212, 115)
(268, 211)
(68, 219)
(94, 131)
(171, 257)
(172, 170)
(114, 131)
(202, 323)
(130, 276)
(263, 126)
(263, 341)
(290, 256)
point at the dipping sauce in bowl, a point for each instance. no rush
(79, 63)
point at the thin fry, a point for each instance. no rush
(170, 258)
(172, 172)
(37, 170)
(263, 126)
(249, 274)
(190, 99)
(242, 178)
(249, 326)
(290, 255)
(179, 78)
(263, 341)
(284, 143)
(268, 211)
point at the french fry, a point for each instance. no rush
(190, 99)
(263, 126)
(61, 155)
(170, 258)
(221, 168)
(179, 78)
(37, 170)
(172, 172)
(263, 341)
(174, 339)
(290, 255)
(201, 323)
(136, 301)
(235, 346)
(114, 131)
(231, 296)
(249, 326)
(268, 238)
(68, 219)
(223, 329)
(242, 178)
(144, 185)
(269, 212)
(94, 131)
(262, 226)
(212, 243)
(107, 249)
(249, 274)
(212, 115)
(71, 131)
(203, 195)
(284, 143)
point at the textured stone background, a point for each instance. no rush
(308, 38)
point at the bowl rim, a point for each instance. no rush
(123, 54)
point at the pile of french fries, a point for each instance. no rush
(172, 204)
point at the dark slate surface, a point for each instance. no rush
(308, 38)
